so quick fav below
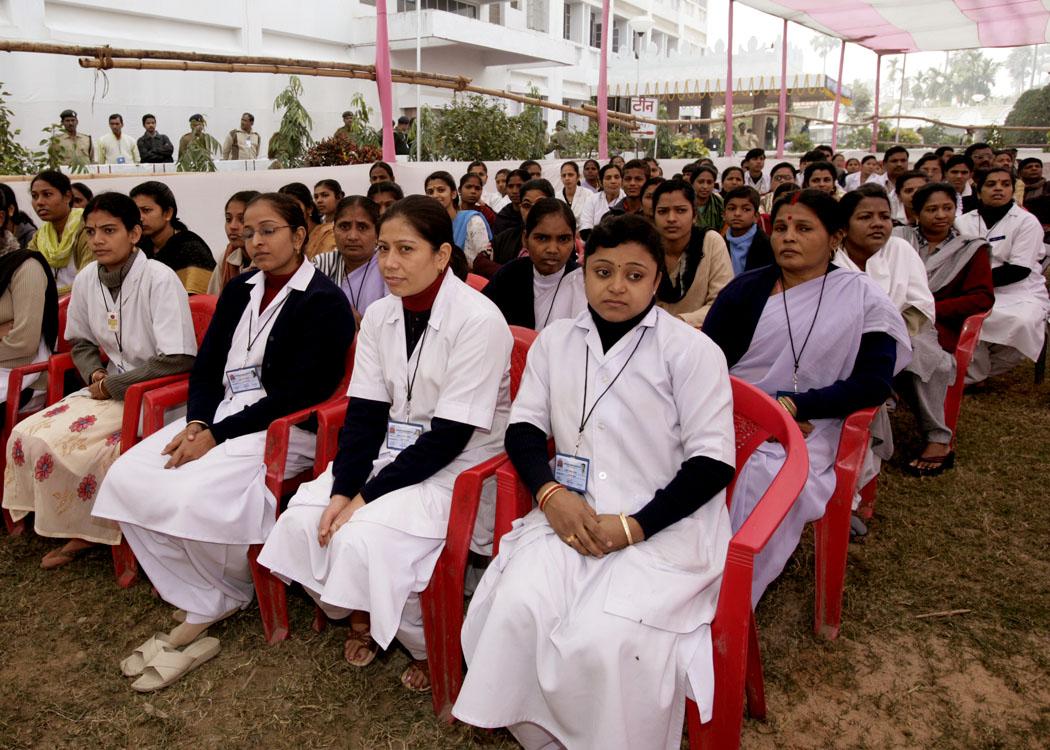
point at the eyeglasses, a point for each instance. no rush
(265, 232)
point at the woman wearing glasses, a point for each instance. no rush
(191, 498)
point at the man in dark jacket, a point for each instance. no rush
(748, 245)
(154, 147)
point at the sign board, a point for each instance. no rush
(645, 106)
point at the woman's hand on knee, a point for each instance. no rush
(576, 523)
(189, 445)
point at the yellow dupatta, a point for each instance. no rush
(57, 251)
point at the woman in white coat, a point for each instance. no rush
(429, 398)
(191, 498)
(609, 198)
(1016, 326)
(136, 310)
(572, 192)
(593, 622)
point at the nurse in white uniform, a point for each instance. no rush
(546, 286)
(1017, 324)
(191, 498)
(429, 398)
(592, 625)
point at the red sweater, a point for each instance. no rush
(969, 293)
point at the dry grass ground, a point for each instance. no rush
(975, 539)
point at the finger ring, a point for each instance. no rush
(570, 539)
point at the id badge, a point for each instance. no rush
(400, 435)
(113, 321)
(572, 471)
(244, 379)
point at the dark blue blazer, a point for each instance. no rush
(304, 360)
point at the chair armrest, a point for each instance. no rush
(330, 418)
(14, 386)
(276, 456)
(129, 432)
(57, 367)
(158, 401)
(853, 447)
(513, 501)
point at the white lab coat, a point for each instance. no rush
(152, 314)
(383, 558)
(1018, 318)
(600, 653)
(597, 208)
(190, 527)
(560, 295)
(581, 201)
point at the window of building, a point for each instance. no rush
(496, 13)
(449, 6)
(566, 22)
(596, 29)
(537, 13)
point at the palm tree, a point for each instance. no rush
(972, 73)
(1023, 66)
(822, 45)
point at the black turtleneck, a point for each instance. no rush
(365, 429)
(1007, 273)
(698, 480)
(610, 332)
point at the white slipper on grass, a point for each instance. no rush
(168, 667)
(133, 665)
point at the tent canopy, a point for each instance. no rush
(894, 26)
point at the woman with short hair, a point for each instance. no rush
(593, 623)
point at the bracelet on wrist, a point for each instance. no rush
(545, 497)
(627, 530)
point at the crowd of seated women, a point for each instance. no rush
(591, 625)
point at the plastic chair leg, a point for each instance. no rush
(754, 686)
(14, 528)
(125, 565)
(320, 620)
(831, 541)
(867, 499)
(273, 599)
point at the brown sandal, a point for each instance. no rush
(416, 666)
(356, 640)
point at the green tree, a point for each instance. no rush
(14, 157)
(823, 45)
(1023, 65)
(971, 73)
(199, 153)
(1031, 108)
(292, 140)
(473, 127)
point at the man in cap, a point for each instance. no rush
(73, 144)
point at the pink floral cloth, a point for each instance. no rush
(56, 460)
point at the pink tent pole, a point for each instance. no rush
(875, 119)
(603, 87)
(729, 85)
(383, 82)
(838, 99)
(782, 106)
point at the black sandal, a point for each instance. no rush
(941, 464)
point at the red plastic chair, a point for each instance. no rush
(202, 308)
(969, 337)
(476, 282)
(442, 600)
(737, 661)
(13, 415)
(831, 532)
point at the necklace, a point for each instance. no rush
(791, 338)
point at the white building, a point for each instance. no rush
(551, 45)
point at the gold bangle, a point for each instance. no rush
(627, 530)
(546, 496)
(789, 405)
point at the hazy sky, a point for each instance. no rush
(860, 62)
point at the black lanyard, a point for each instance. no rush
(411, 383)
(262, 328)
(355, 300)
(585, 415)
(791, 338)
(553, 300)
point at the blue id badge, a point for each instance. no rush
(244, 379)
(400, 435)
(572, 471)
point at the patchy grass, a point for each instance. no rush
(975, 539)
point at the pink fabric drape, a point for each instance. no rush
(384, 83)
(603, 87)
